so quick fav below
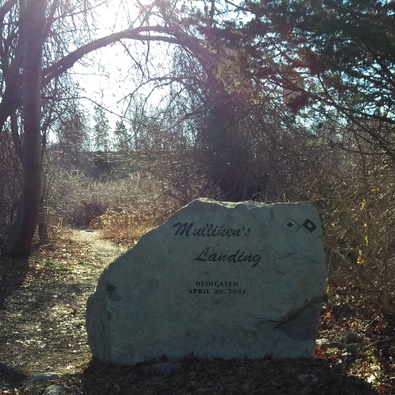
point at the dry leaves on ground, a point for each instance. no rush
(42, 328)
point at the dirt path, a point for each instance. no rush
(42, 327)
(105, 250)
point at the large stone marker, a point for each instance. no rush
(218, 279)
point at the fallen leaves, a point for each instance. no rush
(43, 328)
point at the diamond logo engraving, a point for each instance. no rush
(308, 225)
(291, 225)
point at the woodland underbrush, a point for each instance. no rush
(357, 221)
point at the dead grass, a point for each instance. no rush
(126, 226)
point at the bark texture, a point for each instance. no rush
(32, 28)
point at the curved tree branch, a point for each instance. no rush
(159, 33)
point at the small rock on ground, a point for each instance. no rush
(55, 389)
(45, 376)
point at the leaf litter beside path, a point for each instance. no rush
(43, 329)
(43, 323)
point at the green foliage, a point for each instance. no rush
(101, 130)
(122, 137)
(48, 262)
(342, 50)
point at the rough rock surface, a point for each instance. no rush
(217, 279)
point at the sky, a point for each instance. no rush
(103, 74)
(104, 80)
(107, 76)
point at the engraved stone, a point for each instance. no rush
(217, 279)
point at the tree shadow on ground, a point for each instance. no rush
(12, 276)
(10, 376)
(198, 376)
(42, 325)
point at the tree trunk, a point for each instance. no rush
(32, 23)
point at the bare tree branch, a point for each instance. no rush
(12, 101)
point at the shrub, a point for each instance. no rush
(128, 225)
